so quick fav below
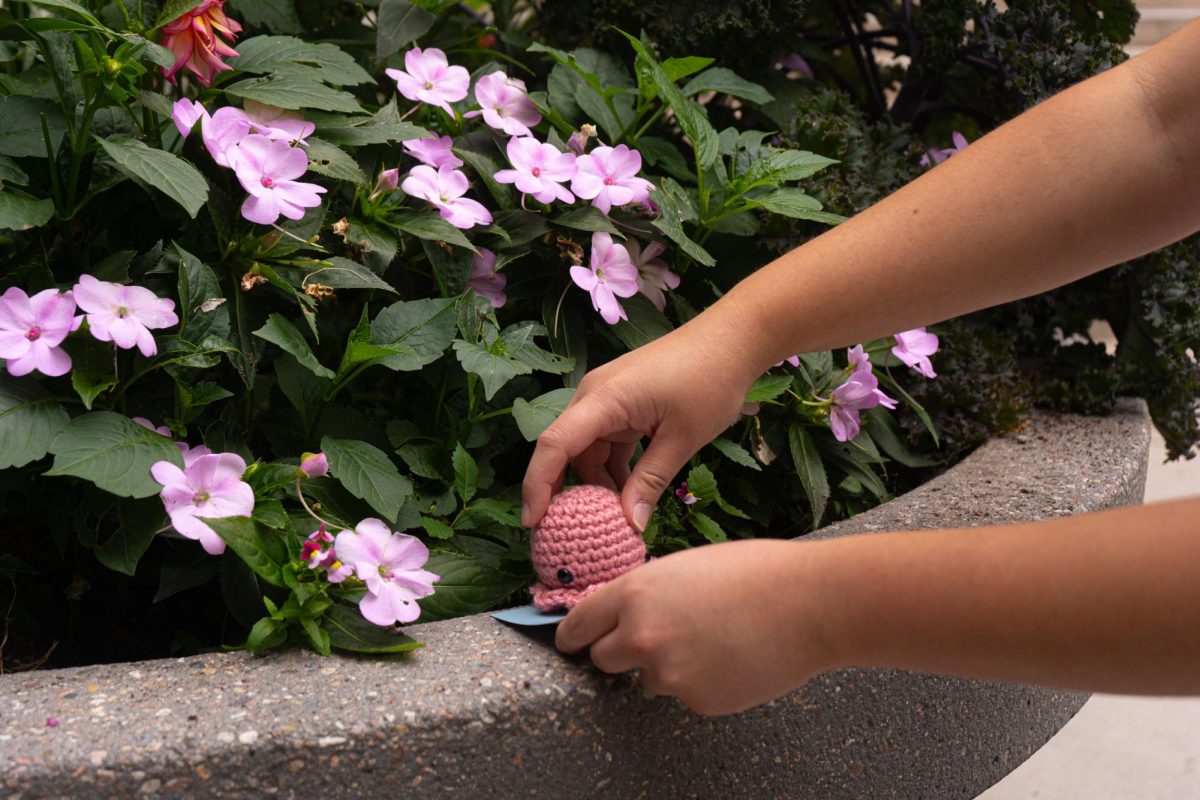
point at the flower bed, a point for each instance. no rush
(513, 718)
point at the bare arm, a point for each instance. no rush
(1105, 171)
(1101, 602)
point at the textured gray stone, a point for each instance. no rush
(487, 711)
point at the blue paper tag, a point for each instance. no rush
(529, 616)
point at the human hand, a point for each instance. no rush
(722, 627)
(681, 390)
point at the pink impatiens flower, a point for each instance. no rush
(124, 315)
(608, 177)
(32, 330)
(390, 564)
(225, 130)
(445, 189)
(211, 486)
(609, 275)
(793, 360)
(860, 392)
(485, 281)
(268, 170)
(434, 151)
(195, 40)
(654, 278)
(505, 104)
(937, 156)
(427, 77)
(914, 348)
(318, 553)
(314, 465)
(539, 169)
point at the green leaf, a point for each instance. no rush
(726, 81)
(702, 483)
(670, 221)
(886, 433)
(399, 23)
(385, 126)
(113, 452)
(91, 368)
(534, 416)
(183, 569)
(466, 586)
(706, 526)
(30, 420)
(466, 473)
(280, 331)
(11, 172)
(810, 469)
(140, 521)
(294, 93)
(350, 632)
(21, 133)
(304, 63)
(432, 227)
(779, 167)
(691, 116)
(587, 218)
(203, 311)
(277, 16)
(485, 168)
(516, 342)
(736, 453)
(261, 549)
(436, 528)
(173, 10)
(266, 634)
(167, 173)
(794, 203)
(768, 387)
(367, 473)
(495, 369)
(20, 212)
(73, 7)
(424, 328)
(917, 408)
(333, 162)
(678, 68)
(346, 274)
(645, 322)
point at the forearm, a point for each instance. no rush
(1099, 174)
(1101, 602)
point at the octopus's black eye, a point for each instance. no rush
(564, 575)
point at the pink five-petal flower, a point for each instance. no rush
(914, 348)
(860, 392)
(314, 465)
(609, 275)
(435, 151)
(268, 169)
(654, 277)
(229, 126)
(539, 169)
(186, 113)
(445, 189)
(32, 328)
(861, 362)
(212, 486)
(124, 315)
(390, 565)
(505, 104)
(427, 77)
(608, 177)
(485, 281)
(938, 155)
(195, 40)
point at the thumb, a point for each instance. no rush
(664, 457)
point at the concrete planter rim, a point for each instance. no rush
(512, 718)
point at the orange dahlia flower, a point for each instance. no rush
(195, 39)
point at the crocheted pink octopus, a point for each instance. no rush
(581, 544)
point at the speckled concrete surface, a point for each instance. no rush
(487, 711)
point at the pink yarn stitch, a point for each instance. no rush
(584, 539)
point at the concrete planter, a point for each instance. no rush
(487, 711)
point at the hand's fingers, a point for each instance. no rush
(612, 654)
(669, 450)
(595, 616)
(591, 465)
(573, 432)
(618, 462)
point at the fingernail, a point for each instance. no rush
(524, 515)
(641, 515)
